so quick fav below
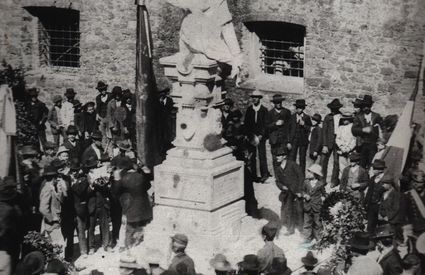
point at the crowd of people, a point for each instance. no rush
(89, 175)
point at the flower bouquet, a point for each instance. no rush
(100, 176)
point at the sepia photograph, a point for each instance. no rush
(212, 137)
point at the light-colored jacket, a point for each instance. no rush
(50, 204)
(364, 265)
(344, 138)
(67, 114)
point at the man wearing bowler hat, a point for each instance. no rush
(250, 265)
(95, 149)
(278, 126)
(366, 128)
(330, 125)
(178, 246)
(72, 143)
(256, 125)
(374, 195)
(389, 258)
(38, 114)
(362, 264)
(355, 178)
(300, 125)
(289, 179)
(315, 138)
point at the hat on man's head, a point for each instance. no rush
(29, 150)
(250, 263)
(279, 265)
(229, 102)
(277, 98)
(316, 169)
(117, 90)
(309, 259)
(62, 149)
(58, 164)
(418, 176)
(367, 101)
(75, 164)
(220, 263)
(101, 85)
(72, 130)
(335, 104)
(33, 91)
(317, 117)
(70, 92)
(379, 164)
(124, 145)
(56, 98)
(90, 162)
(361, 242)
(384, 231)
(389, 180)
(96, 135)
(355, 156)
(257, 94)
(181, 239)
(358, 102)
(281, 151)
(300, 103)
(34, 261)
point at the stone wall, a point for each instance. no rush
(352, 47)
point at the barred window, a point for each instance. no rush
(59, 36)
(281, 47)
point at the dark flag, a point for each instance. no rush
(147, 143)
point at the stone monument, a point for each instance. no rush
(199, 188)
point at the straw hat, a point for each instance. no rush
(316, 169)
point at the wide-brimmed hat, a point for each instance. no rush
(270, 230)
(277, 99)
(57, 98)
(33, 91)
(97, 135)
(335, 104)
(34, 261)
(220, 263)
(317, 117)
(309, 259)
(117, 90)
(72, 130)
(379, 164)
(388, 180)
(50, 170)
(74, 164)
(101, 85)
(420, 243)
(70, 92)
(257, 94)
(279, 265)
(354, 156)
(367, 101)
(316, 169)
(62, 149)
(384, 231)
(29, 150)
(281, 151)
(418, 176)
(361, 241)
(90, 162)
(124, 145)
(250, 263)
(181, 239)
(300, 103)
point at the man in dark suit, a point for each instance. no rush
(55, 120)
(299, 132)
(38, 114)
(289, 179)
(330, 124)
(366, 127)
(167, 120)
(374, 195)
(315, 145)
(72, 143)
(389, 259)
(256, 128)
(355, 178)
(87, 123)
(102, 100)
(278, 127)
(95, 150)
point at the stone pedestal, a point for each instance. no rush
(199, 187)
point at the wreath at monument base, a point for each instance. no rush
(342, 215)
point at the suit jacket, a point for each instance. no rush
(133, 189)
(362, 179)
(102, 106)
(80, 191)
(53, 118)
(360, 122)
(110, 114)
(411, 214)
(38, 114)
(278, 134)
(328, 131)
(98, 197)
(291, 177)
(86, 122)
(299, 133)
(315, 203)
(374, 193)
(259, 127)
(74, 151)
(182, 259)
(89, 153)
(315, 140)
(391, 263)
(390, 207)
